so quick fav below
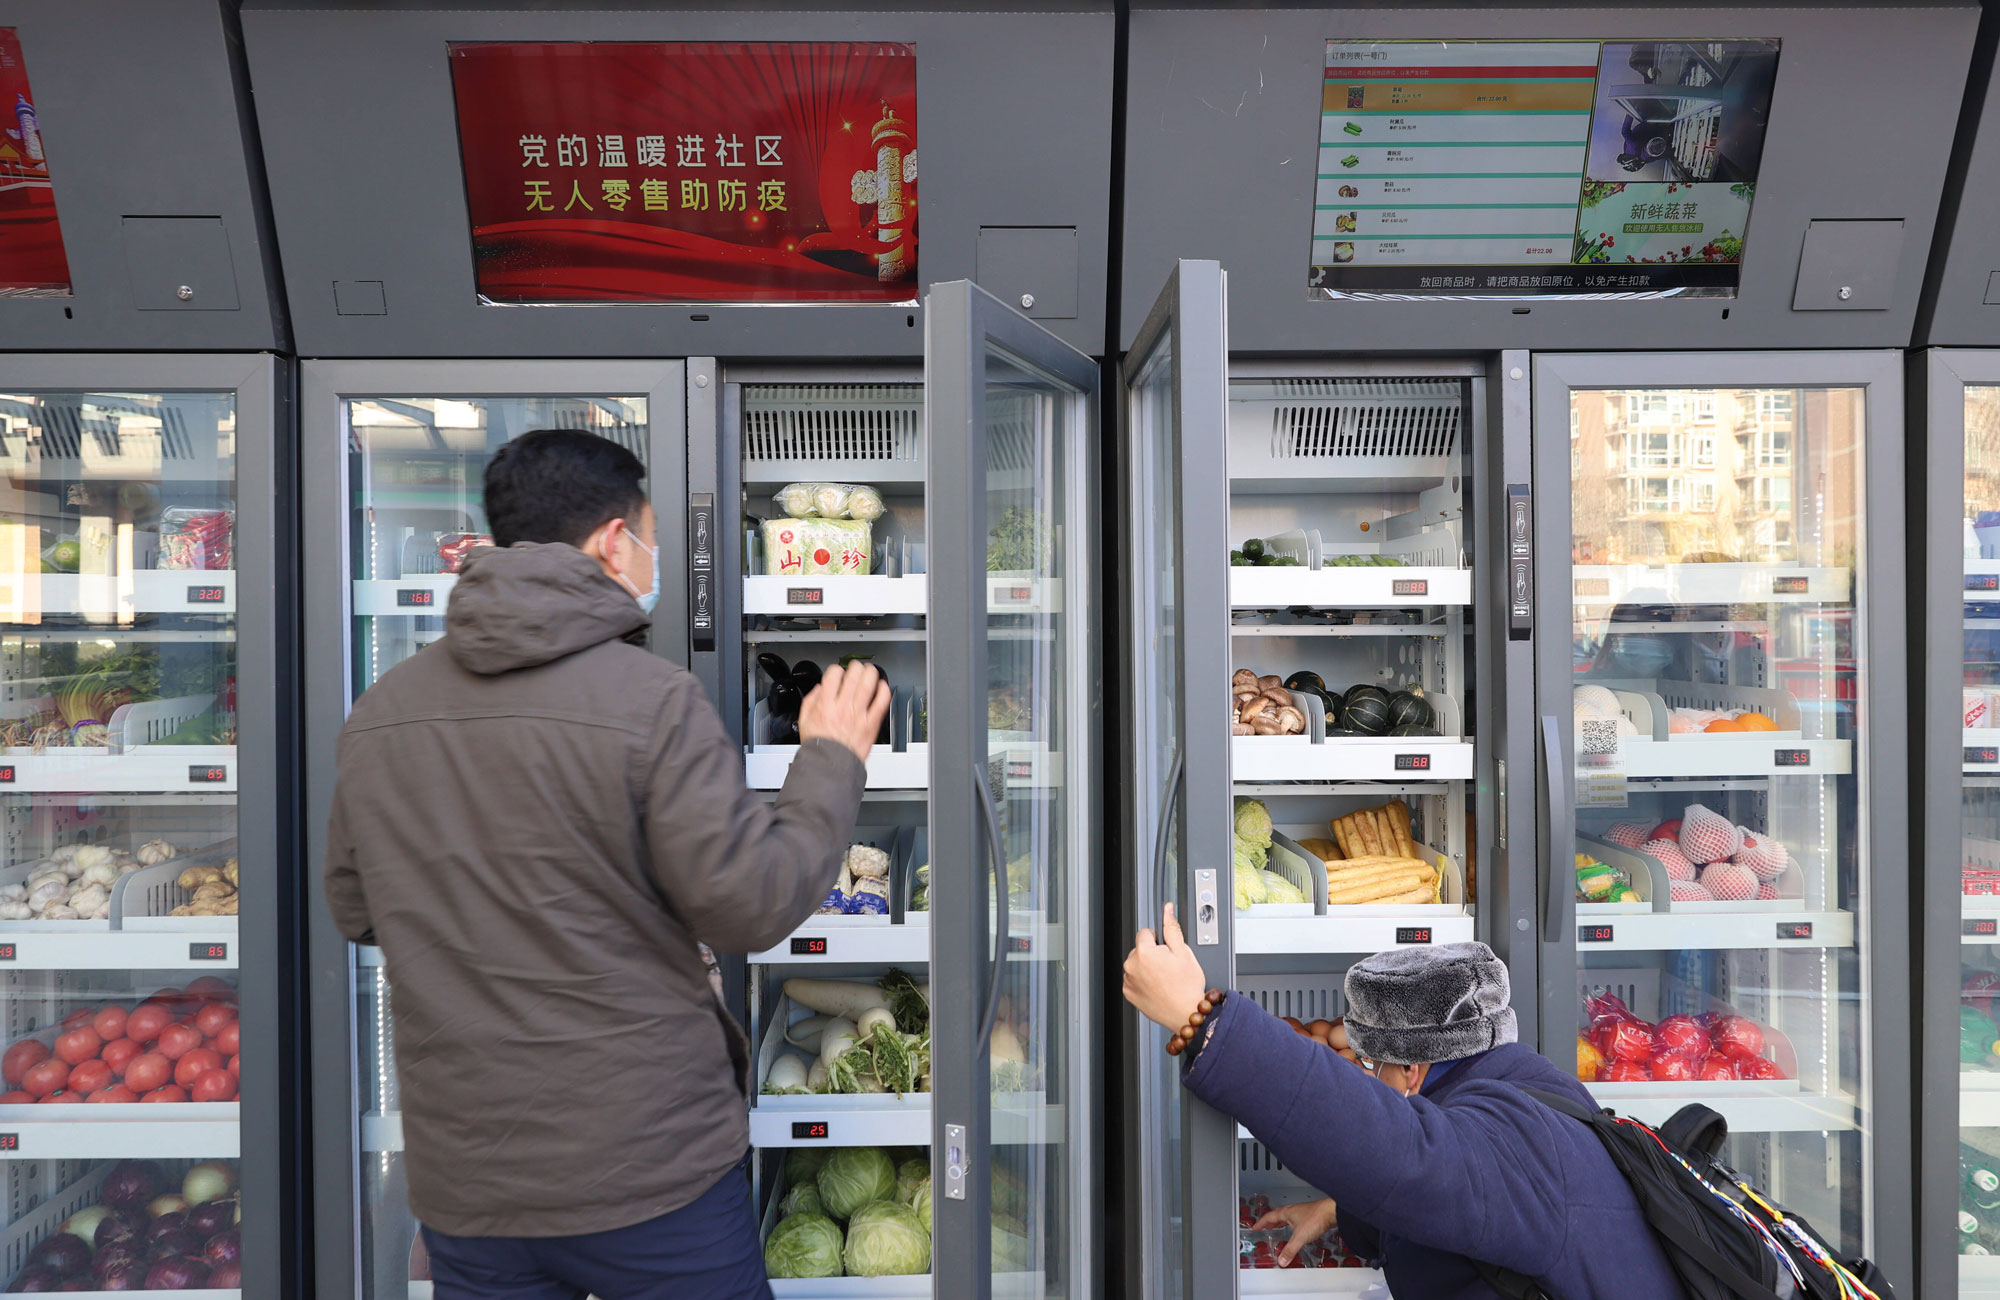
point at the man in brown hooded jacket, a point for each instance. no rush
(539, 821)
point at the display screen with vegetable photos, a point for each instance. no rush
(1505, 169)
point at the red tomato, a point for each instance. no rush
(120, 1053)
(172, 1092)
(148, 1072)
(216, 1085)
(1759, 1068)
(145, 1024)
(211, 989)
(78, 1018)
(177, 1041)
(1717, 1069)
(109, 1024)
(1738, 1037)
(235, 1064)
(1676, 1067)
(173, 1000)
(46, 1078)
(1624, 1072)
(89, 1076)
(67, 1097)
(116, 1093)
(195, 1064)
(27, 1052)
(229, 1041)
(79, 1045)
(211, 1018)
(15, 1098)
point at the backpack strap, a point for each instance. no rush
(1512, 1285)
(1697, 1129)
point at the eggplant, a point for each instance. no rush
(774, 667)
(805, 676)
(784, 698)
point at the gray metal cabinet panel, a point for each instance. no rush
(1962, 300)
(1014, 111)
(1222, 129)
(142, 115)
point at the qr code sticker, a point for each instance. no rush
(1597, 736)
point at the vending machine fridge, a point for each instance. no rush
(1960, 806)
(1722, 698)
(938, 523)
(146, 861)
(395, 453)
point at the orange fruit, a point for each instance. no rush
(1724, 724)
(1754, 721)
(1588, 1059)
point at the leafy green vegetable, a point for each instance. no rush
(906, 999)
(803, 1199)
(802, 1164)
(1253, 822)
(854, 1176)
(1020, 539)
(804, 1245)
(886, 1239)
(920, 1203)
(909, 1174)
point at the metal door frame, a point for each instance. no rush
(1938, 379)
(270, 1145)
(962, 322)
(327, 624)
(1884, 737)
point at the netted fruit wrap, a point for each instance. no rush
(1729, 883)
(1670, 856)
(1708, 836)
(1688, 891)
(1762, 856)
(1627, 835)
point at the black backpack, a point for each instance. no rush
(1725, 1240)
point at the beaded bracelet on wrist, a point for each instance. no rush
(1185, 1035)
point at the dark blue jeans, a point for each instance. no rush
(704, 1251)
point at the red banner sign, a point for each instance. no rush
(682, 172)
(32, 264)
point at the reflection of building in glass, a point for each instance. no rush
(1687, 475)
(1982, 450)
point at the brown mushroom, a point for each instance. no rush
(1256, 708)
(1245, 680)
(1244, 697)
(1240, 729)
(1279, 696)
(1270, 682)
(1266, 726)
(1291, 721)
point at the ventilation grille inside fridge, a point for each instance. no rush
(1318, 419)
(871, 432)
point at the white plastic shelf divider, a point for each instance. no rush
(54, 946)
(150, 769)
(1361, 1283)
(418, 593)
(1749, 929)
(836, 594)
(1335, 934)
(764, 768)
(1707, 584)
(851, 940)
(185, 1130)
(1978, 1098)
(1779, 1107)
(120, 596)
(1354, 587)
(1749, 754)
(1294, 758)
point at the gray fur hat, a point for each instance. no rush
(1415, 1005)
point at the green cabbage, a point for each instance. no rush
(1277, 889)
(1250, 889)
(854, 1176)
(802, 1164)
(885, 1239)
(920, 1203)
(908, 1174)
(1253, 822)
(1012, 1252)
(803, 1245)
(803, 1199)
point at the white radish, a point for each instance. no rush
(838, 1039)
(787, 1071)
(845, 998)
(816, 1077)
(1007, 1047)
(805, 1033)
(873, 1016)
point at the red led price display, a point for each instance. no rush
(1984, 925)
(6, 774)
(1020, 943)
(207, 595)
(415, 598)
(207, 774)
(1982, 582)
(809, 946)
(1795, 929)
(1791, 758)
(10, 1141)
(1410, 586)
(1982, 754)
(1413, 934)
(805, 595)
(1019, 595)
(1413, 762)
(1593, 934)
(8, 952)
(1792, 585)
(208, 952)
(1020, 771)
(804, 1130)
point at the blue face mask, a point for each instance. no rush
(647, 599)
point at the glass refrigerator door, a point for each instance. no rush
(134, 525)
(1181, 1155)
(1724, 761)
(1012, 417)
(409, 510)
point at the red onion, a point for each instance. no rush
(226, 1277)
(125, 1277)
(63, 1252)
(210, 1217)
(223, 1248)
(119, 1254)
(35, 1277)
(185, 1241)
(165, 1224)
(131, 1183)
(177, 1274)
(120, 1225)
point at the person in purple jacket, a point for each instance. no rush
(1428, 1146)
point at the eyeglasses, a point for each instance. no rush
(1374, 1068)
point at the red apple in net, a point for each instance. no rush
(1739, 1038)
(1631, 1040)
(1627, 835)
(1690, 891)
(1681, 1034)
(1762, 856)
(1728, 882)
(1670, 856)
(1666, 831)
(1706, 835)
(1717, 1069)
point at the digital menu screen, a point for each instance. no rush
(1508, 169)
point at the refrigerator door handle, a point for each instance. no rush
(1162, 885)
(1561, 828)
(996, 850)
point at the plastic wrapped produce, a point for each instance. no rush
(796, 499)
(1708, 836)
(865, 504)
(1670, 856)
(816, 547)
(830, 501)
(197, 539)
